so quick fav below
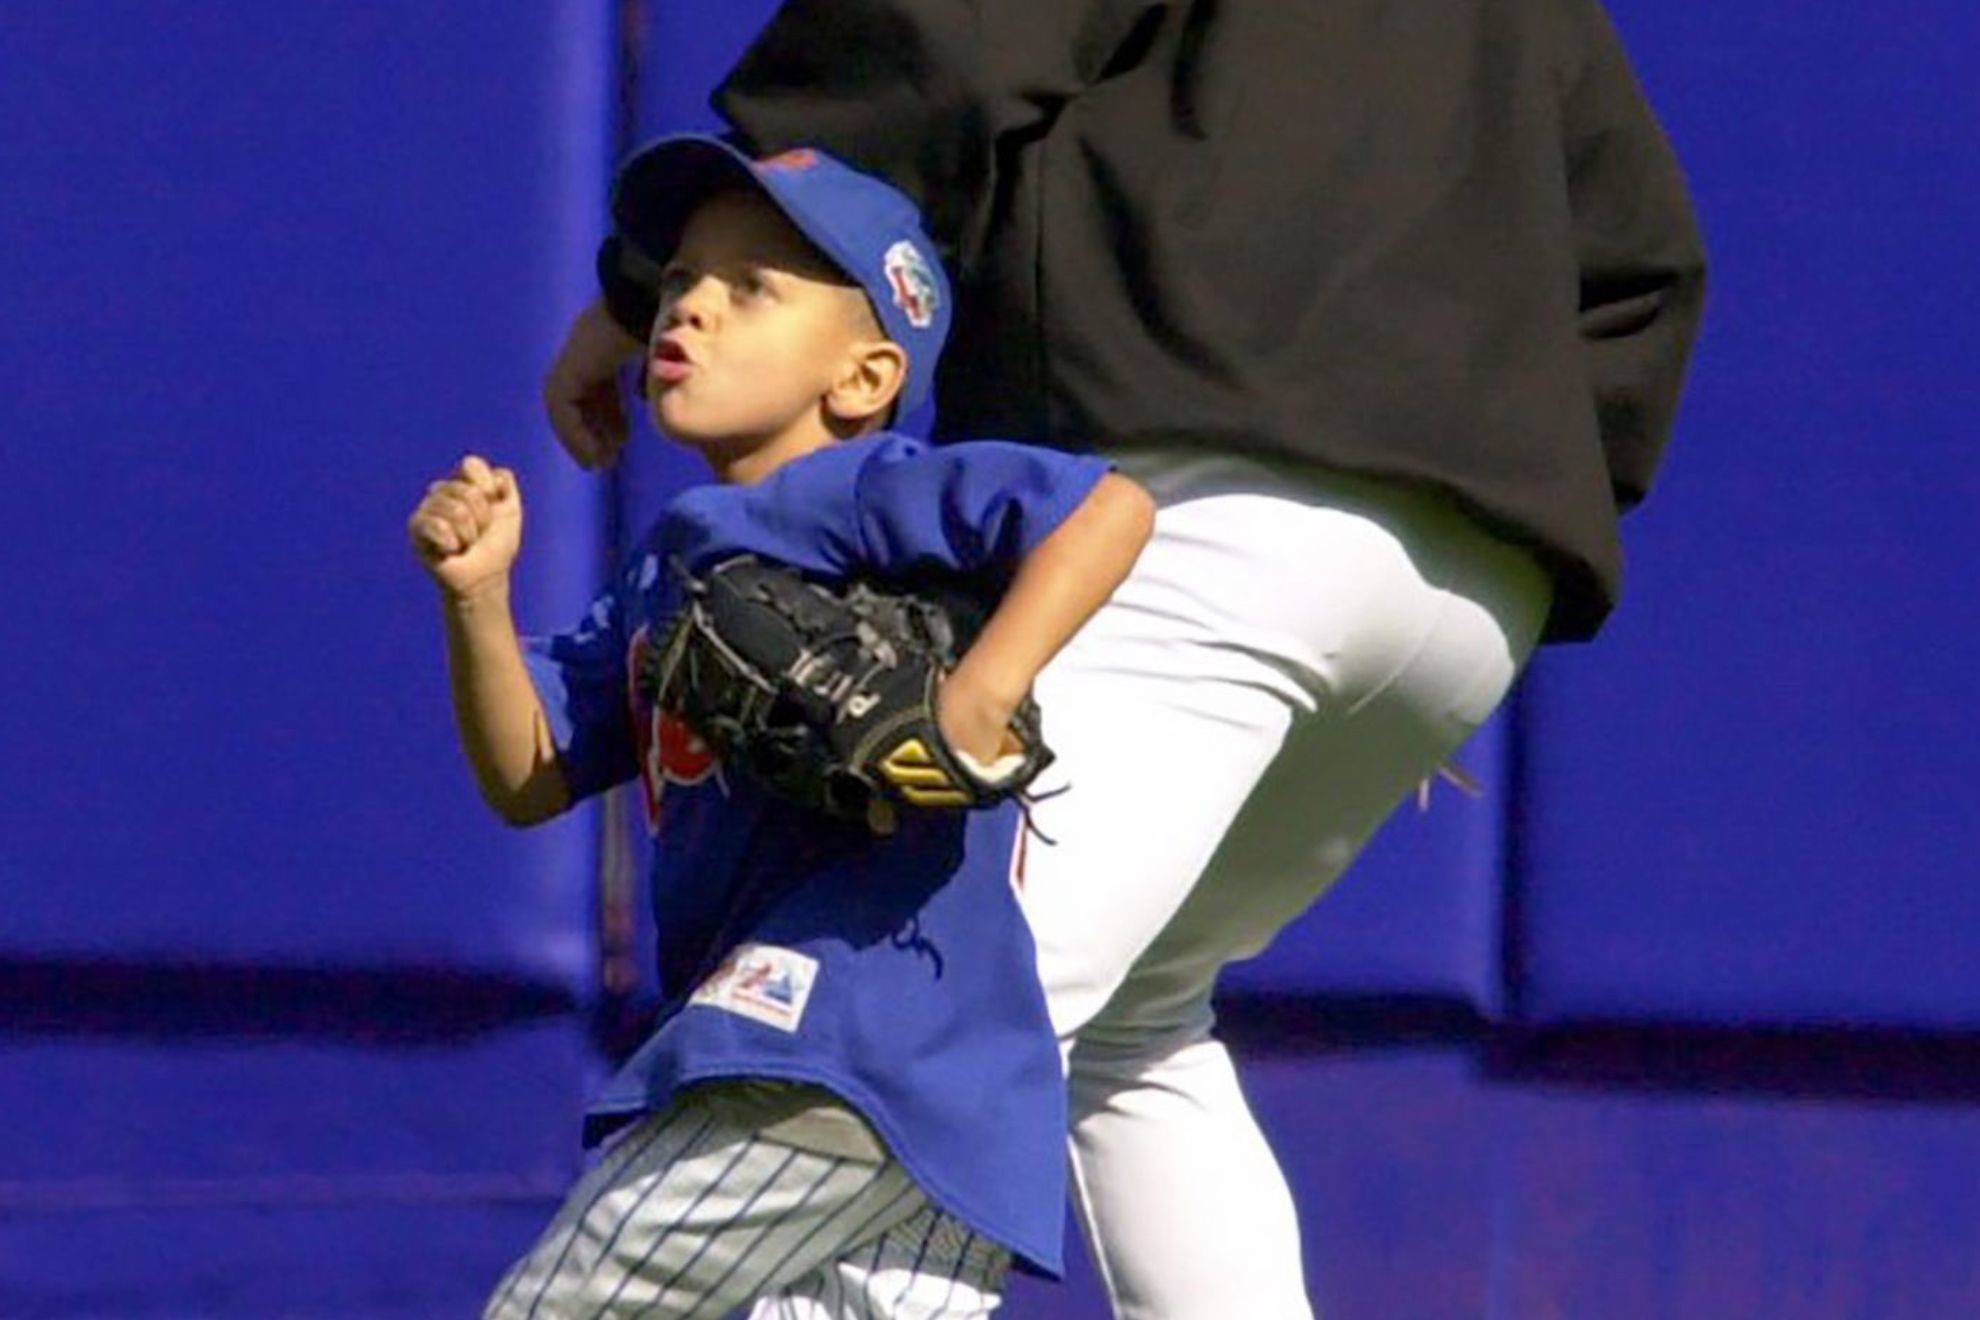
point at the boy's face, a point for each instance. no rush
(756, 329)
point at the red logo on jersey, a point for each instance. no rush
(679, 754)
(670, 752)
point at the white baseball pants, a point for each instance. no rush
(1291, 656)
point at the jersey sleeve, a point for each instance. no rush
(580, 677)
(978, 507)
(802, 515)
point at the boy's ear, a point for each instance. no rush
(874, 375)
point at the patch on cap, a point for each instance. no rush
(915, 290)
(803, 158)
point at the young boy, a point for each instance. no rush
(853, 1103)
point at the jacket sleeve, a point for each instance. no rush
(924, 92)
(1640, 254)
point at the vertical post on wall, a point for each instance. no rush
(670, 54)
(618, 861)
(1517, 811)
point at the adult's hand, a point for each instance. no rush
(581, 391)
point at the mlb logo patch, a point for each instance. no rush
(915, 292)
(763, 983)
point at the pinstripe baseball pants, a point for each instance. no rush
(688, 1214)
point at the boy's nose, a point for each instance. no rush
(693, 305)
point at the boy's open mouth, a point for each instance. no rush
(669, 362)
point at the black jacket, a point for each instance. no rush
(1438, 240)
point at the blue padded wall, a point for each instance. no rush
(288, 1024)
(1634, 1200)
(269, 270)
(1438, 1181)
(1450, 1180)
(1418, 915)
(293, 1175)
(1747, 802)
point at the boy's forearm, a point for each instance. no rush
(503, 729)
(1058, 587)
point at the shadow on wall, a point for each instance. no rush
(166, 1001)
(1838, 1063)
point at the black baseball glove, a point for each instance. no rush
(826, 695)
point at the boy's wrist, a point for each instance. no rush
(490, 596)
(973, 719)
(981, 680)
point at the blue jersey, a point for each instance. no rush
(899, 972)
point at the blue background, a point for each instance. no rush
(1678, 1019)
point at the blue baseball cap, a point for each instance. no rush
(869, 229)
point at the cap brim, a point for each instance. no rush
(659, 187)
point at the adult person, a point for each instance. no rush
(1389, 305)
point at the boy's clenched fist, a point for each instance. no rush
(468, 529)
